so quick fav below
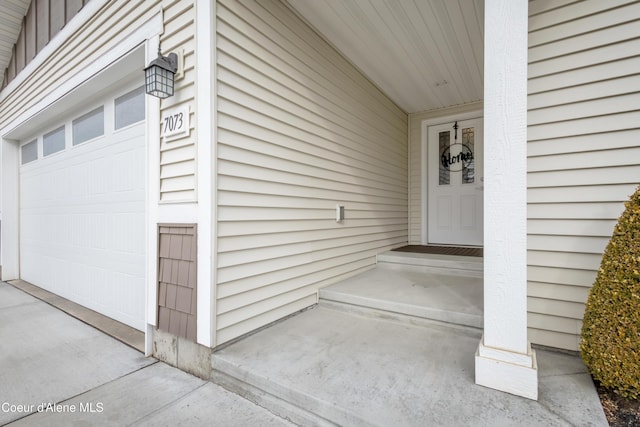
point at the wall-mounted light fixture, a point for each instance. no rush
(159, 75)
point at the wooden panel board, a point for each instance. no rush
(177, 279)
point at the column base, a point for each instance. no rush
(506, 371)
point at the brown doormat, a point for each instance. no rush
(441, 250)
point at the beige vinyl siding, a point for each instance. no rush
(582, 152)
(110, 25)
(417, 190)
(177, 156)
(300, 130)
(415, 181)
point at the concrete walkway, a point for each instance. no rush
(76, 375)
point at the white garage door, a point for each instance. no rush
(82, 209)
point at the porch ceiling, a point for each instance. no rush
(424, 54)
(11, 14)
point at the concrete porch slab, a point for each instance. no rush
(328, 367)
(412, 291)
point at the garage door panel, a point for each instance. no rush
(83, 224)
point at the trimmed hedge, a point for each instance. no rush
(610, 345)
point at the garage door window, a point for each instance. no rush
(29, 152)
(89, 126)
(130, 108)
(53, 141)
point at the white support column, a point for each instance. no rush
(206, 155)
(153, 197)
(504, 359)
(10, 154)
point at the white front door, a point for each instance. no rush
(455, 183)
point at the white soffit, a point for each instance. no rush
(424, 54)
(12, 12)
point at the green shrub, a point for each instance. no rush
(610, 345)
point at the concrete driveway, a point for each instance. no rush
(56, 370)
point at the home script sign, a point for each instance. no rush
(459, 161)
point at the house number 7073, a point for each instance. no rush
(175, 122)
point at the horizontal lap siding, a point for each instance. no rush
(299, 131)
(582, 152)
(416, 183)
(177, 156)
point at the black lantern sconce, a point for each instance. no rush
(159, 75)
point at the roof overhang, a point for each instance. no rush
(12, 13)
(424, 55)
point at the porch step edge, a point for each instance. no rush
(293, 405)
(467, 265)
(418, 316)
